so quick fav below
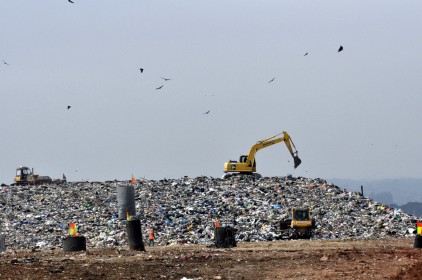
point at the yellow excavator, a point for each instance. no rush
(247, 163)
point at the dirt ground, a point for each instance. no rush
(377, 259)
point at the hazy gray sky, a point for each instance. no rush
(354, 114)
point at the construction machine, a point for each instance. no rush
(26, 176)
(301, 225)
(247, 163)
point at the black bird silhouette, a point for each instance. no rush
(207, 112)
(160, 87)
(68, 107)
(70, 1)
(5, 62)
(340, 49)
(141, 69)
(306, 54)
(165, 79)
(271, 80)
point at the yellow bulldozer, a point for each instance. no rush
(300, 225)
(26, 176)
(247, 163)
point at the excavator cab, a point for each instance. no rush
(243, 159)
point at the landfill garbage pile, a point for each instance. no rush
(184, 210)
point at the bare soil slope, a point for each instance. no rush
(377, 259)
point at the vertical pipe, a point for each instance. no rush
(2, 243)
(134, 234)
(126, 200)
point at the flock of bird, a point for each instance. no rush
(167, 79)
(140, 69)
(339, 50)
(160, 87)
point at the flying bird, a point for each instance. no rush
(271, 80)
(340, 49)
(141, 69)
(5, 62)
(70, 1)
(165, 79)
(207, 112)
(68, 107)
(160, 87)
(306, 54)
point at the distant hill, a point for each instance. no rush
(413, 208)
(383, 197)
(388, 191)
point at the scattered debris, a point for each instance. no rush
(182, 211)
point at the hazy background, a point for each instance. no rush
(354, 114)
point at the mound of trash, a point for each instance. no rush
(184, 210)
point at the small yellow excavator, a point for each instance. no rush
(247, 163)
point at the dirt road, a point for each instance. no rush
(378, 259)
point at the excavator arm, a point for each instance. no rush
(271, 141)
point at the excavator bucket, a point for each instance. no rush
(297, 161)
